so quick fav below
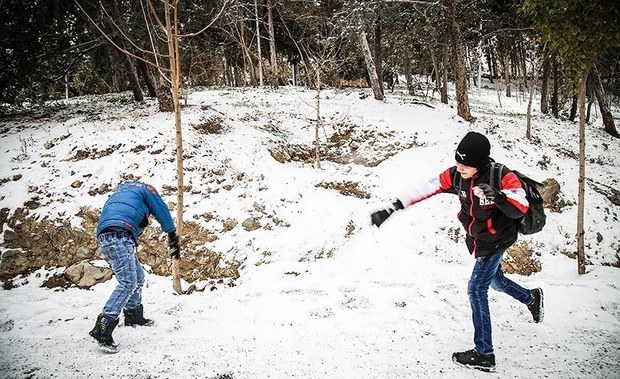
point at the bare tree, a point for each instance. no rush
(169, 28)
(581, 257)
(325, 56)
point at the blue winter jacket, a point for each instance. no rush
(130, 204)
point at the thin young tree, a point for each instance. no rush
(272, 43)
(324, 56)
(169, 64)
(258, 45)
(579, 32)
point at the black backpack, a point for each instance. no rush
(534, 220)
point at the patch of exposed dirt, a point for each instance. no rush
(223, 376)
(312, 256)
(454, 234)
(44, 243)
(612, 194)
(349, 144)
(138, 149)
(213, 125)
(57, 281)
(350, 229)
(345, 188)
(101, 190)
(32, 244)
(521, 259)
(94, 153)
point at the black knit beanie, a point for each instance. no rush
(473, 150)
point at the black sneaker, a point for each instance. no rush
(537, 306)
(473, 359)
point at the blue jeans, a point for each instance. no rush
(119, 251)
(488, 272)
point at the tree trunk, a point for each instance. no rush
(317, 143)
(378, 58)
(147, 76)
(506, 64)
(444, 73)
(601, 97)
(490, 62)
(458, 61)
(372, 70)
(590, 96)
(589, 111)
(164, 96)
(573, 108)
(528, 131)
(132, 73)
(248, 64)
(258, 43)
(480, 57)
(581, 255)
(437, 71)
(238, 76)
(175, 66)
(523, 65)
(555, 109)
(225, 71)
(408, 74)
(245, 54)
(470, 64)
(272, 44)
(544, 86)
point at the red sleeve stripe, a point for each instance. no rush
(511, 186)
(445, 180)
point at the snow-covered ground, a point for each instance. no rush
(321, 293)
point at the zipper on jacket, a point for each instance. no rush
(471, 212)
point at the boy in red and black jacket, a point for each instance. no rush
(490, 217)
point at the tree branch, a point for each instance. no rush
(105, 35)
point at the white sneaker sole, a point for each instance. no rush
(474, 367)
(108, 349)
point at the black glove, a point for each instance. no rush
(490, 192)
(145, 222)
(379, 217)
(173, 245)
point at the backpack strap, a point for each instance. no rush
(456, 182)
(495, 179)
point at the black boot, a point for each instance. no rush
(135, 317)
(537, 306)
(102, 332)
(473, 359)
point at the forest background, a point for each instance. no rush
(244, 74)
(58, 49)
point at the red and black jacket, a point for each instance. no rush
(489, 225)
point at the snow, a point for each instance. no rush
(313, 300)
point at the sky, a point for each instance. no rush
(321, 293)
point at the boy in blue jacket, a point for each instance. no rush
(123, 219)
(489, 216)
